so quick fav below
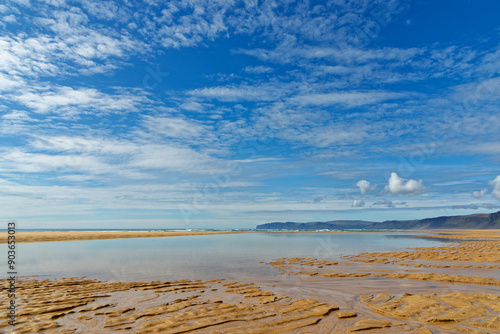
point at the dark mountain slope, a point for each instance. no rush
(475, 221)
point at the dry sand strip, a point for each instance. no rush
(80, 235)
(492, 234)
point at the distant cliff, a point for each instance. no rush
(476, 221)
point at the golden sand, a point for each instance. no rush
(452, 289)
(73, 236)
(63, 306)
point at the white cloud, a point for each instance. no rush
(63, 99)
(364, 186)
(16, 115)
(492, 148)
(326, 136)
(105, 10)
(258, 69)
(242, 93)
(20, 161)
(357, 203)
(472, 94)
(495, 183)
(90, 145)
(113, 158)
(9, 18)
(173, 127)
(349, 99)
(8, 83)
(398, 186)
(175, 158)
(479, 194)
(290, 52)
(192, 106)
(85, 52)
(386, 203)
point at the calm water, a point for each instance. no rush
(196, 257)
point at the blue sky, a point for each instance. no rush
(226, 114)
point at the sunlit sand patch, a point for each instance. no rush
(368, 324)
(460, 311)
(472, 251)
(158, 307)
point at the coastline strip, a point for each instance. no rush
(23, 237)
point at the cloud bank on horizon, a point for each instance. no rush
(232, 113)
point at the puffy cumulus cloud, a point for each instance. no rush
(357, 203)
(479, 194)
(365, 186)
(400, 186)
(495, 183)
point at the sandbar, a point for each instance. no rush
(49, 236)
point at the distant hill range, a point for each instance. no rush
(476, 221)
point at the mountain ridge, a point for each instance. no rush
(474, 221)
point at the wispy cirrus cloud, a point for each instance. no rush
(341, 55)
(349, 98)
(174, 127)
(239, 93)
(75, 100)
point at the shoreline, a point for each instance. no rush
(445, 289)
(49, 236)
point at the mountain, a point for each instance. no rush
(475, 221)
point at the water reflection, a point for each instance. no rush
(198, 257)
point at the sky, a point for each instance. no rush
(229, 114)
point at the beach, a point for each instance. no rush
(452, 288)
(102, 235)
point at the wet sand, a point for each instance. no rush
(73, 236)
(451, 289)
